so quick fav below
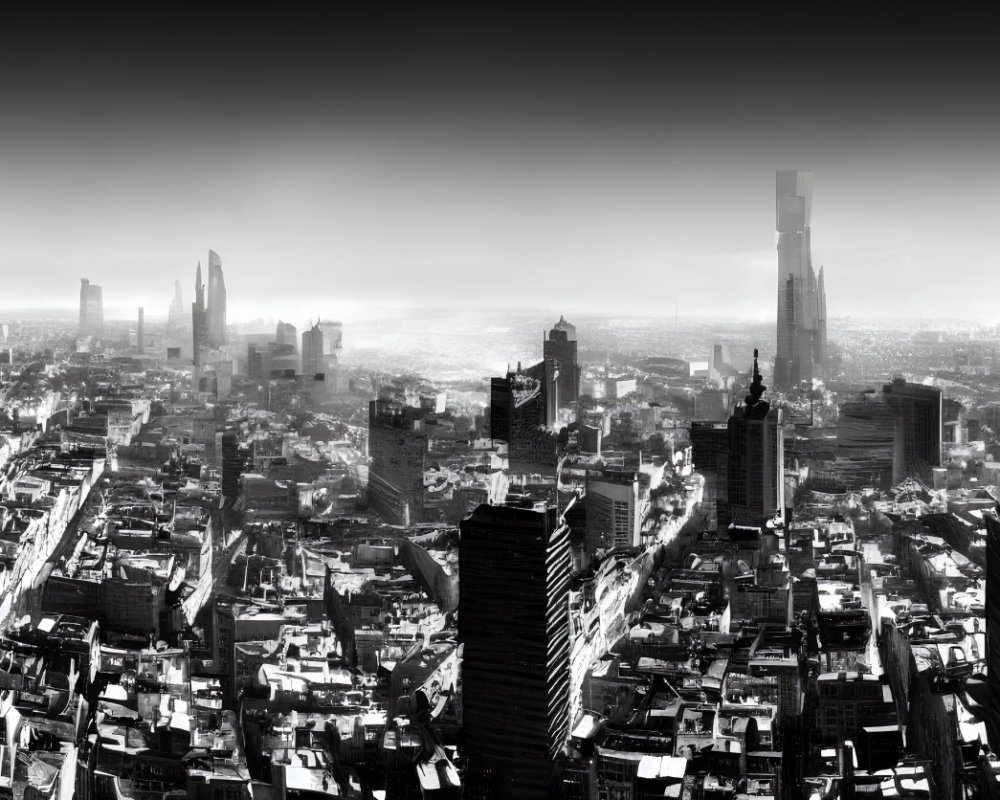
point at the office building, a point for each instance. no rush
(614, 509)
(216, 301)
(518, 415)
(312, 351)
(801, 349)
(755, 463)
(919, 408)
(286, 334)
(868, 434)
(91, 309)
(513, 622)
(199, 319)
(561, 349)
(397, 447)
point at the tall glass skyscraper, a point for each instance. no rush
(801, 294)
(216, 301)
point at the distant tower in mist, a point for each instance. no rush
(176, 318)
(216, 301)
(312, 351)
(333, 338)
(199, 318)
(140, 333)
(91, 309)
(801, 296)
(285, 333)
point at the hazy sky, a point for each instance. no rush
(582, 160)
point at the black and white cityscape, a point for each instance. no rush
(587, 404)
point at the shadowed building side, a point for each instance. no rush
(514, 624)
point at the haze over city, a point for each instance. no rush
(489, 159)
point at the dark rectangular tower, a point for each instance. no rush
(919, 407)
(560, 348)
(514, 623)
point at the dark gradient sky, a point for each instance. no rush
(581, 159)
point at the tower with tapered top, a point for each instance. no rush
(756, 464)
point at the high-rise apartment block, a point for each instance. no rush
(801, 294)
(513, 622)
(91, 309)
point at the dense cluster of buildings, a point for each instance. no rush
(232, 571)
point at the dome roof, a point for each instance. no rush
(568, 327)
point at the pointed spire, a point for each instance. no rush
(757, 386)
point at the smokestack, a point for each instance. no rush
(140, 338)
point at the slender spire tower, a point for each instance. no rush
(199, 318)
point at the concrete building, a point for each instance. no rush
(801, 295)
(614, 515)
(514, 626)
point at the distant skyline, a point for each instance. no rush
(482, 159)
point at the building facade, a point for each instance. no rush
(514, 625)
(919, 448)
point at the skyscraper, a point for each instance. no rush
(176, 318)
(140, 333)
(216, 301)
(199, 318)
(518, 413)
(992, 624)
(398, 447)
(919, 448)
(91, 309)
(560, 347)
(312, 351)
(755, 463)
(801, 296)
(284, 334)
(513, 621)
